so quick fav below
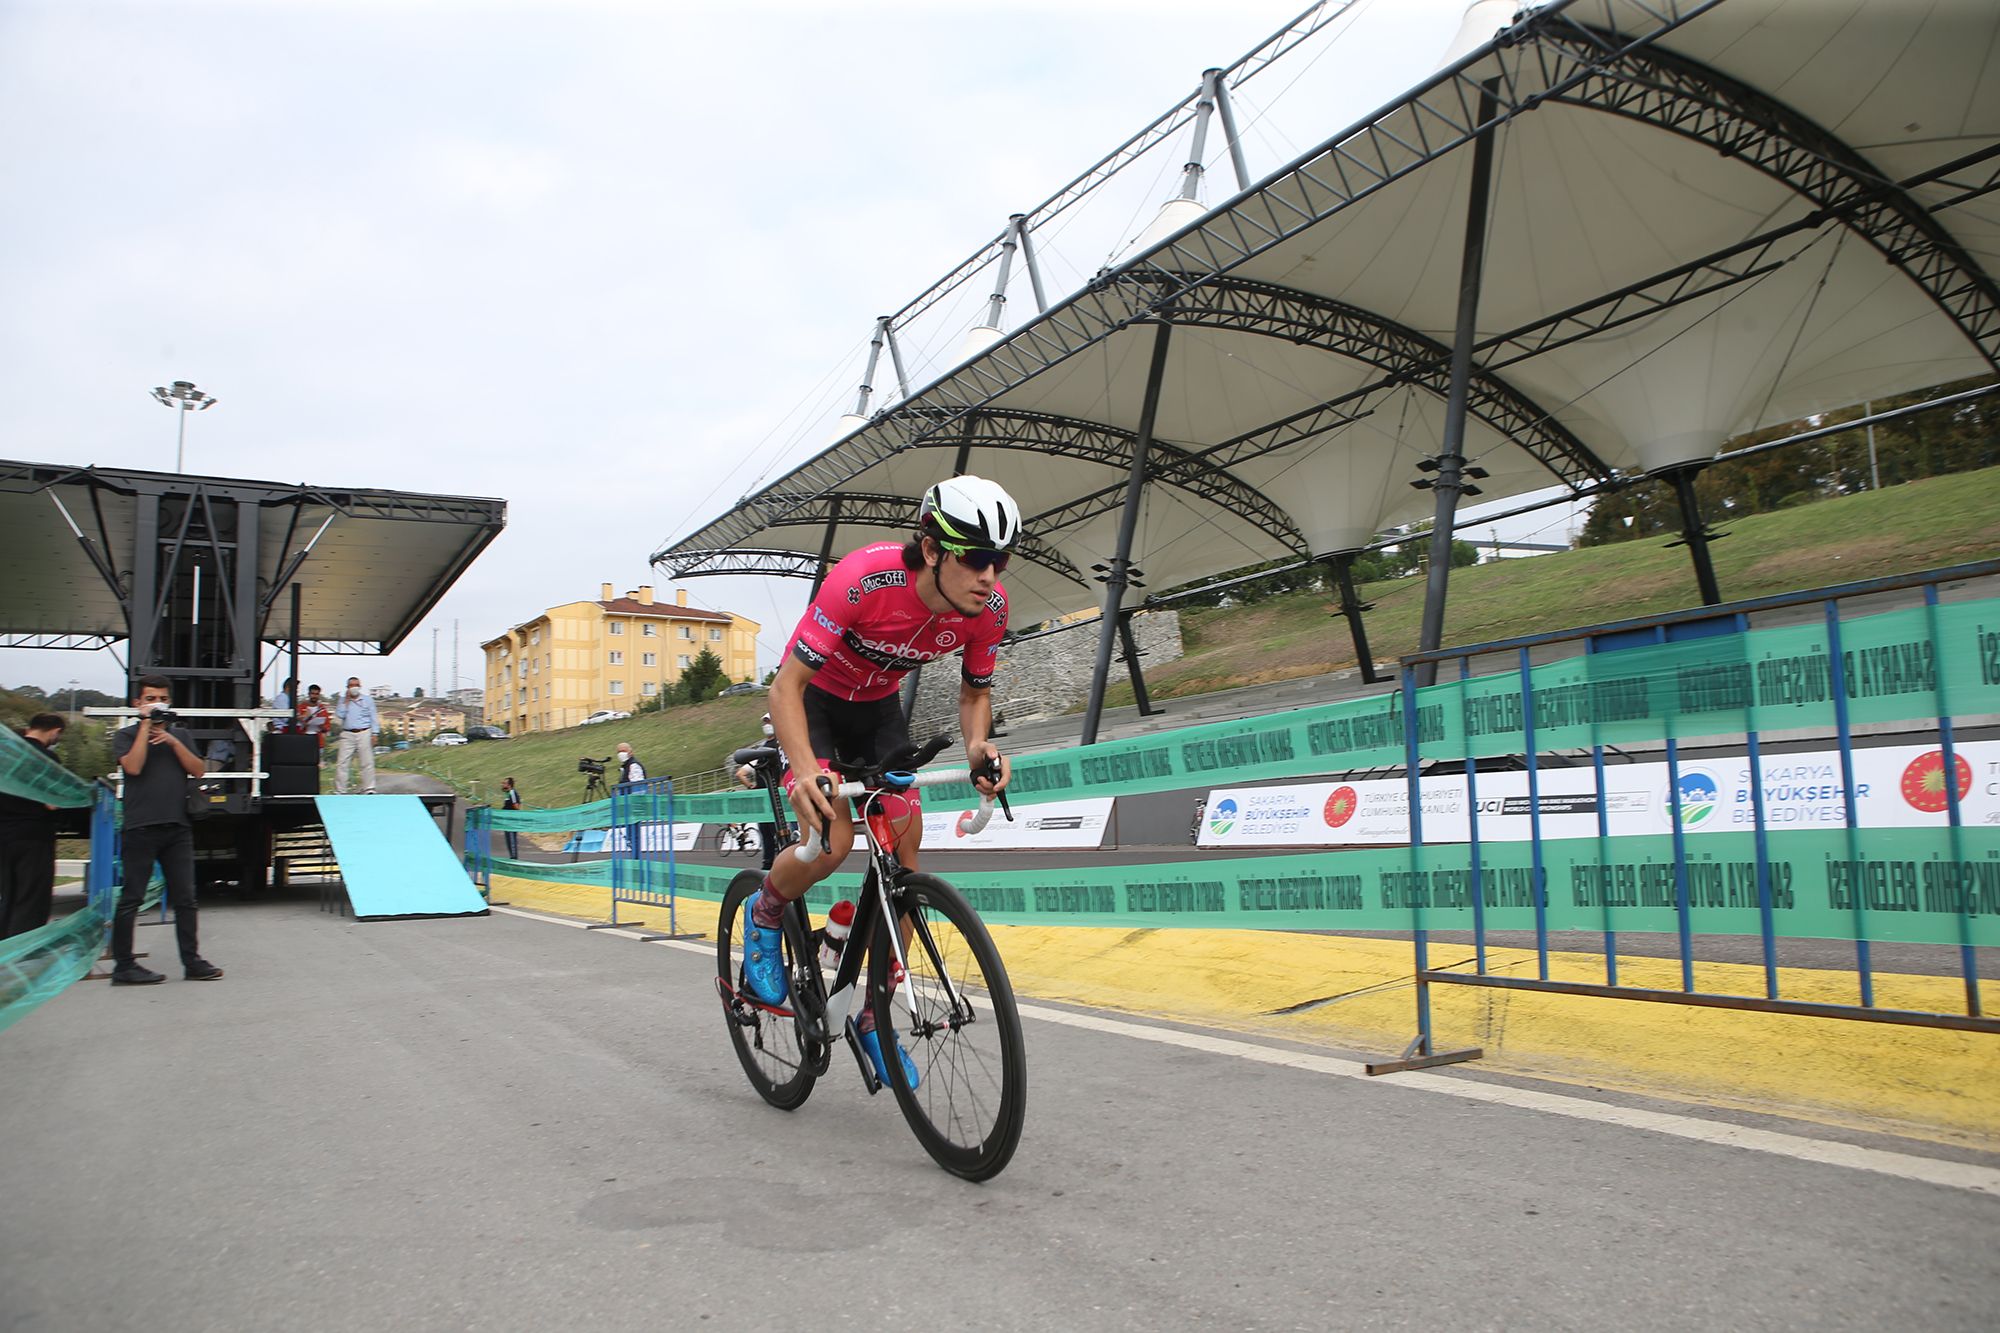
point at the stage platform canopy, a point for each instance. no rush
(99, 555)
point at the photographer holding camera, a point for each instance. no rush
(158, 759)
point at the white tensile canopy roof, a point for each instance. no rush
(1703, 218)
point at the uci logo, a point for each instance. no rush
(1222, 818)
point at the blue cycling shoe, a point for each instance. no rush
(763, 962)
(871, 1042)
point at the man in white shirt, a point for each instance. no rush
(629, 767)
(356, 714)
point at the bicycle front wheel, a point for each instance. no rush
(724, 844)
(770, 1044)
(954, 1014)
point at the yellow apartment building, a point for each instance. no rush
(617, 652)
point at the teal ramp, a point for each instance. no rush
(394, 860)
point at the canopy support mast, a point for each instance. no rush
(1450, 462)
(1118, 575)
(1695, 534)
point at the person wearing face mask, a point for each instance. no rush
(356, 715)
(629, 768)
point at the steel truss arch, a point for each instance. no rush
(1685, 97)
(793, 510)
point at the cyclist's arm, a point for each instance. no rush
(975, 722)
(788, 720)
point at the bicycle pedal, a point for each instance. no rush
(868, 1079)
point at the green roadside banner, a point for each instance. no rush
(1902, 884)
(28, 773)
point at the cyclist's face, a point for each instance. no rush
(964, 587)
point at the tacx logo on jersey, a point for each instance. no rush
(887, 578)
(826, 621)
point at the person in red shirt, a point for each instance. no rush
(882, 611)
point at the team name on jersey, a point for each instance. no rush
(887, 578)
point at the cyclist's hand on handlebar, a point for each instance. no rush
(811, 801)
(985, 760)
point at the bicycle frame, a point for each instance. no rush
(834, 1001)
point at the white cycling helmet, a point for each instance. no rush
(971, 511)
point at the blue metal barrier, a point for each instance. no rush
(644, 812)
(1431, 861)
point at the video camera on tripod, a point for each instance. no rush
(593, 767)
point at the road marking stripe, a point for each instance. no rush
(1957, 1175)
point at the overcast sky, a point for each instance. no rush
(614, 263)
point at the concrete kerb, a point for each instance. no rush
(1352, 994)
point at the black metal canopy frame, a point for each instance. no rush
(189, 572)
(1190, 280)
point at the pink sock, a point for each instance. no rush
(767, 909)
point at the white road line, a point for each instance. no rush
(1956, 1175)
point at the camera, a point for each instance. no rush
(594, 767)
(161, 714)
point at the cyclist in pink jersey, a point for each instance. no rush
(882, 611)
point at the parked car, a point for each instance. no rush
(447, 738)
(603, 715)
(741, 687)
(487, 734)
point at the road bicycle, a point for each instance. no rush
(736, 838)
(934, 983)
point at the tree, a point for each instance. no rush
(705, 679)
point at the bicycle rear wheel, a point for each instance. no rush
(964, 1038)
(771, 1045)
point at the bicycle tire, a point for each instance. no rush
(972, 1089)
(723, 846)
(772, 1047)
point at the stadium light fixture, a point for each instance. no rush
(187, 398)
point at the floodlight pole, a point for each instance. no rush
(187, 398)
(1450, 462)
(1118, 575)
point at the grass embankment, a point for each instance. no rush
(1919, 525)
(678, 741)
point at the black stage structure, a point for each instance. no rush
(1606, 237)
(206, 580)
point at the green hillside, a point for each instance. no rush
(678, 741)
(1918, 525)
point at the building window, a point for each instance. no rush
(687, 631)
(685, 661)
(650, 687)
(618, 687)
(649, 631)
(714, 634)
(616, 627)
(649, 659)
(617, 658)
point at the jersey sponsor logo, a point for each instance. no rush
(887, 578)
(997, 605)
(888, 656)
(826, 621)
(805, 654)
(977, 682)
(854, 596)
(944, 638)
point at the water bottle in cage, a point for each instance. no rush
(839, 921)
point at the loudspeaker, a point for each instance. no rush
(282, 747)
(292, 779)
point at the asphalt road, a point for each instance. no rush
(502, 1123)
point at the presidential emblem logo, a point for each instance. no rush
(1340, 807)
(1923, 786)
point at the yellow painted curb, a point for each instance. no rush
(1925, 1082)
